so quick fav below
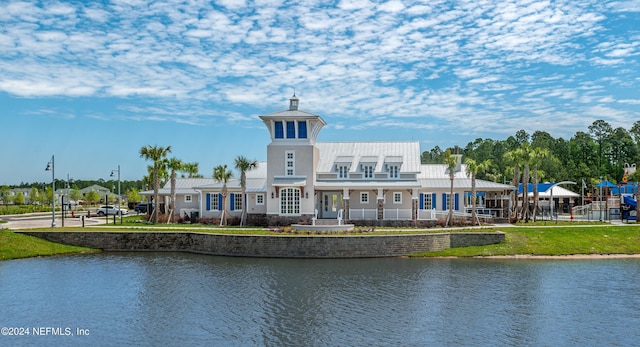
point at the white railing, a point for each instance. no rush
(396, 214)
(582, 210)
(427, 214)
(363, 213)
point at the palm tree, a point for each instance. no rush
(156, 154)
(222, 174)
(525, 154)
(192, 170)
(473, 168)
(537, 157)
(173, 164)
(243, 164)
(512, 158)
(451, 161)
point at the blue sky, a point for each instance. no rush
(92, 82)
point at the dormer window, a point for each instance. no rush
(368, 171)
(393, 171)
(392, 166)
(368, 166)
(343, 171)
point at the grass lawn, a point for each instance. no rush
(535, 239)
(561, 240)
(14, 246)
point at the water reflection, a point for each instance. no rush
(184, 299)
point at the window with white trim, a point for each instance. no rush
(259, 199)
(237, 202)
(426, 201)
(188, 198)
(368, 171)
(290, 201)
(364, 198)
(393, 171)
(213, 203)
(397, 197)
(343, 171)
(290, 168)
(446, 201)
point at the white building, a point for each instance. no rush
(357, 181)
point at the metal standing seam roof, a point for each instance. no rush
(367, 152)
(256, 182)
(435, 171)
(462, 183)
(254, 185)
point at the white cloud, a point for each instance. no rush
(402, 63)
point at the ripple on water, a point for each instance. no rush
(186, 299)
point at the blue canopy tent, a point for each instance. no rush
(606, 184)
(542, 187)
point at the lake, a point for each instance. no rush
(176, 299)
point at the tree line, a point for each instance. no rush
(599, 152)
(41, 193)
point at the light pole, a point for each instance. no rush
(119, 203)
(51, 166)
(600, 203)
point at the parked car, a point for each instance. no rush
(111, 210)
(143, 207)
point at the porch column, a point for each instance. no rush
(380, 204)
(345, 198)
(414, 204)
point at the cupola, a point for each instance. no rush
(293, 103)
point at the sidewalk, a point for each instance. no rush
(43, 220)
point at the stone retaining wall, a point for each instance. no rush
(270, 246)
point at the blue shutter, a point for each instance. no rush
(279, 130)
(302, 130)
(455, 202)
(208, 206)
(434, 197)
(219, 202)
(421, 201)
(232, 202)
(444, 201)
(291, 130)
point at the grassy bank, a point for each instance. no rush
(563, 240)
(530, 240)
(14, 246)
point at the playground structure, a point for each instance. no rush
(629, 208)
(616, 202)
(610, 208)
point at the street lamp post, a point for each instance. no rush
(600, 203)
(119, 202)
(51, 166)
